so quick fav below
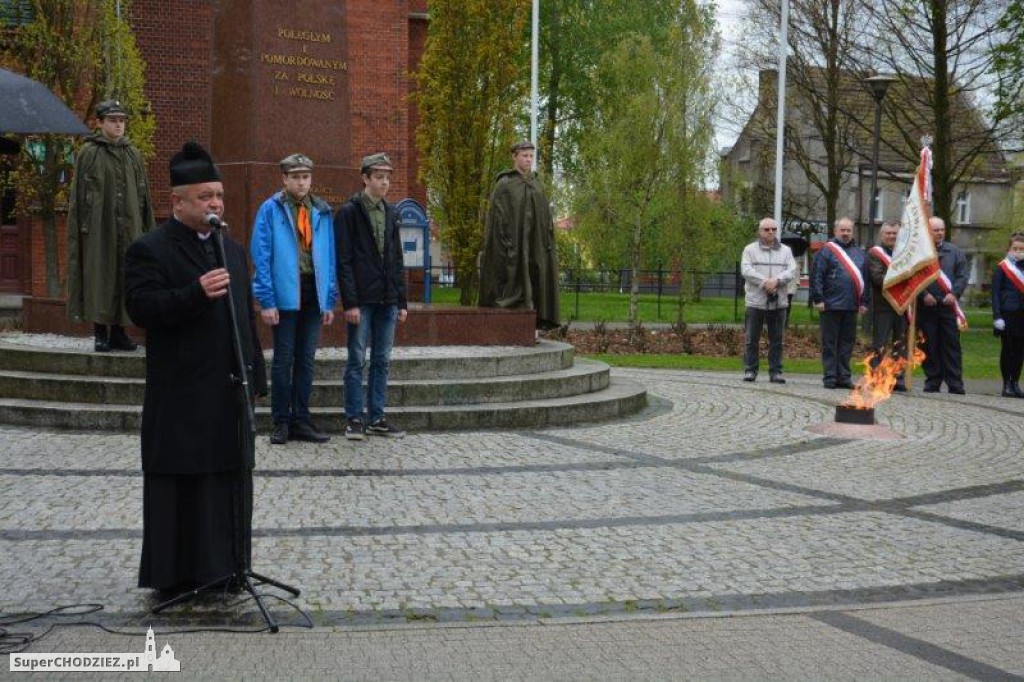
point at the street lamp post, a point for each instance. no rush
(879, 85)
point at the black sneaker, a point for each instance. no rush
(354, 429)
(382, 427)
(776, 379)
(307, 432)
(749, 376)
(280, 434)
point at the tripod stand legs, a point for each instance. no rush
(245, 580)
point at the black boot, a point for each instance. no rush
(119, 340)
(102, 342)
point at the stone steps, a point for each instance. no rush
(584, 376)
(432, 388)
(407, 363)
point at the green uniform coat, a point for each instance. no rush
(110, 208)
(519, 267)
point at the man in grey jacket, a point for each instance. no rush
(767, 266)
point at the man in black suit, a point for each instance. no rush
(197, 478)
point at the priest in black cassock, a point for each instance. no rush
(197, 477)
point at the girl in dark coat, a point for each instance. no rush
(1008, 315)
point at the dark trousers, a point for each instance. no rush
(295, 339)
(943, 358)
(838, 333)
(755, 319)
(1011, 357)
(888, 334)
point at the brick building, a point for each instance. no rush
(254, 82)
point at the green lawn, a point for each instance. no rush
(980, 347)
(614, 307)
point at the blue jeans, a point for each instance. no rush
(376, 328)
(295, 339)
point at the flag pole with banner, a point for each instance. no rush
(915, 264)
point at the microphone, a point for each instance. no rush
(213, 221)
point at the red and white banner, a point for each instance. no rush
(914, 264)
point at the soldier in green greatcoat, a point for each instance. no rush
(109, 208)
(519, 266)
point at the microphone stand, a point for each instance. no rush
(243, 576)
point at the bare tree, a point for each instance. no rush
(942, 52)
(820, 138)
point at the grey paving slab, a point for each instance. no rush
(717, 500)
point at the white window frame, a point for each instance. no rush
(963, 208)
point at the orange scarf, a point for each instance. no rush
(305, 228)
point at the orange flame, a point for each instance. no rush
(879, 381)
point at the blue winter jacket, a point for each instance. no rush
(832, 285)
(275, 255)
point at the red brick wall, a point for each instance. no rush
(378, 52)
(385, 42)
(176, 40)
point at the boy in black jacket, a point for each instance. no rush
(370, 277)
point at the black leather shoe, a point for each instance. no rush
(102, 344)
(776, 379)
(307, 432)
(931, 389)
(957, 391)
(280, 434)
(845, 383)
(121, 341)
(749, 376)
(829, 384)
(1017, 392)
(900, 388)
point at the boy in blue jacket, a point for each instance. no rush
(294, 282)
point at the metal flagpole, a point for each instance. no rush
(534, 75)
(908, 375)
(781, 111)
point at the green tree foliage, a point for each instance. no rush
(1009, 68)
(648, 148)
(574, 36)
(471, 81)
(84, 51)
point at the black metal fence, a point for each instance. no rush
(660, 282)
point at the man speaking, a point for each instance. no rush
(197, 489)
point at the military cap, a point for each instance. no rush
(296, 162)
(110, 107)
(378, 161)
(521, 145)
(193, 165)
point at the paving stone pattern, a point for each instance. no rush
(713, 500)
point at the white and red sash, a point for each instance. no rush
(851, 268)
(947, 288)
(1010, 269)
(881, 255)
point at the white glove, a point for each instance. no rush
(1000, 325)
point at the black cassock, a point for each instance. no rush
(197, 481)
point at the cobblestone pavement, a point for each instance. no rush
(716, 500)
